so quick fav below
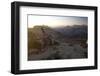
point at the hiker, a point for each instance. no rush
(46, 39)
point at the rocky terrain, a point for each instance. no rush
(45, 43)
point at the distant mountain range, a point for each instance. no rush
(75, 31)
(67, 32)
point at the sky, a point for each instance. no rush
(55, 21)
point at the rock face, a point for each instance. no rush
(45, 43)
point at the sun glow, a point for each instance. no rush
(54, 21)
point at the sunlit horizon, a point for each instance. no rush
(55, 21)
